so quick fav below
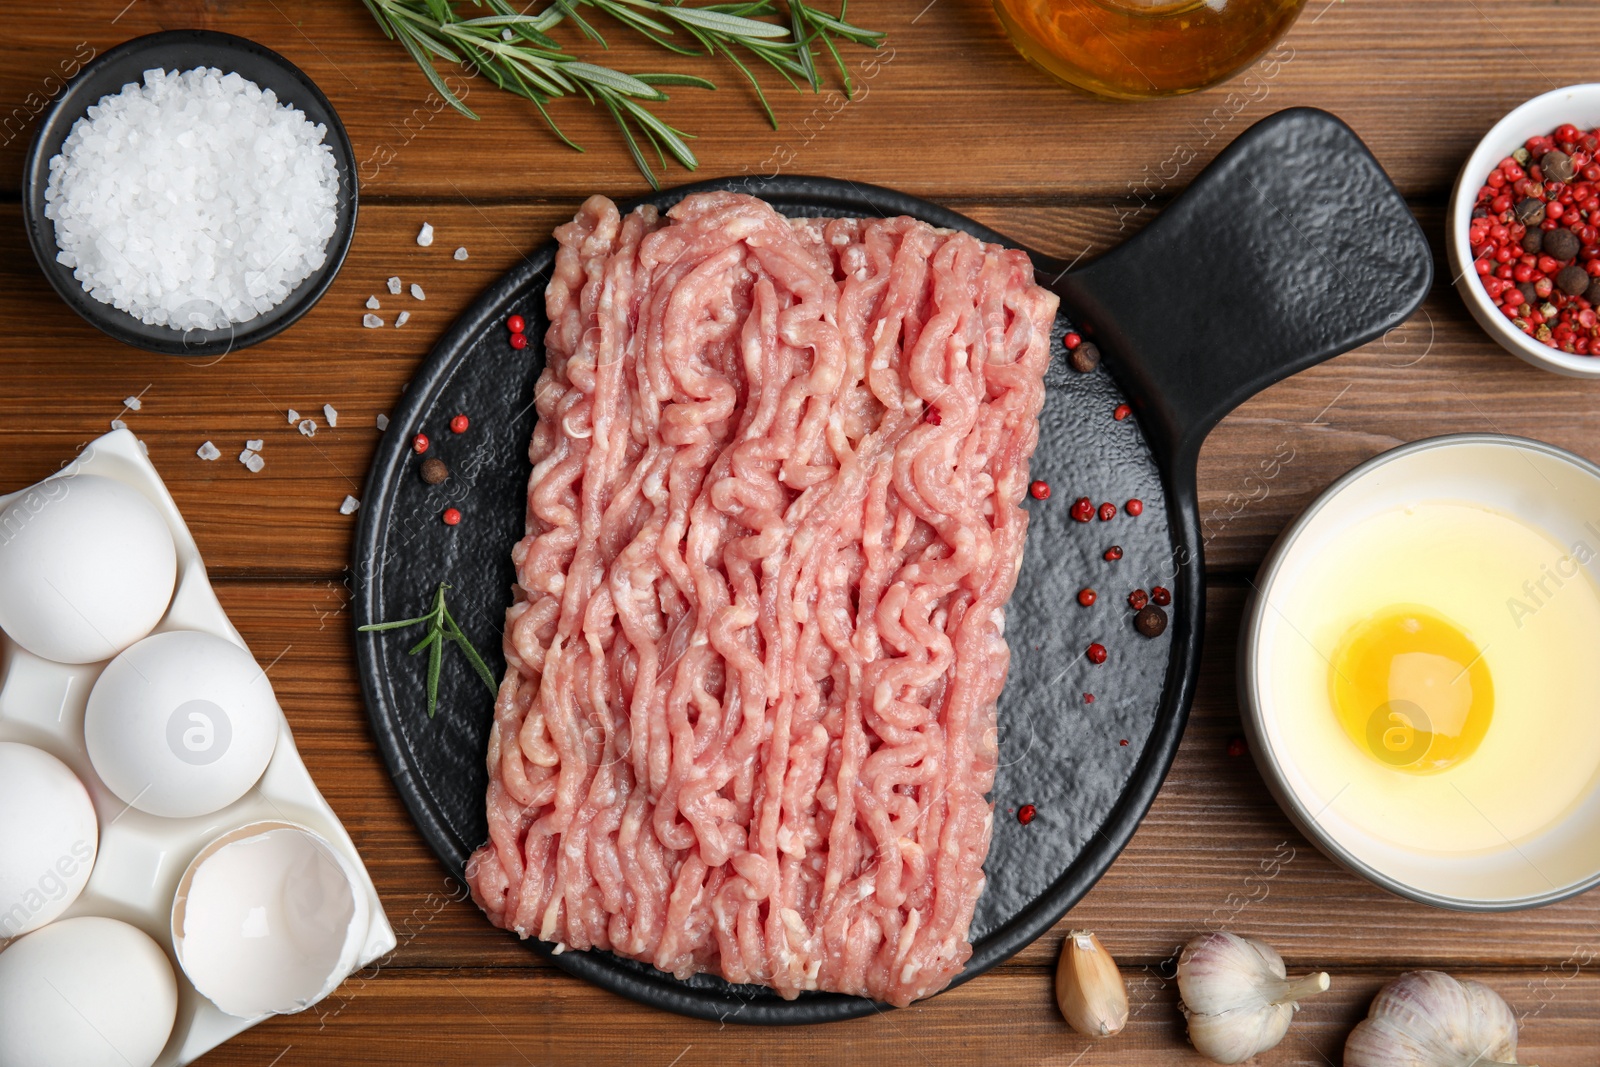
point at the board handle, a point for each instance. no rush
(1291, 247)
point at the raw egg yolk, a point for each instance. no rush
(1412, 689)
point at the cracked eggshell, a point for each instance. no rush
(85, 992)
(87, 567)
(49, 835)
(268, 920)
(181, 724)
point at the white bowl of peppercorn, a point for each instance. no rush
(1524, 231)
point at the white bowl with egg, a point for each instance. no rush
(1417, 672)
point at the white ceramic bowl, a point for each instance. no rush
(1543, 486)
(1577, 104)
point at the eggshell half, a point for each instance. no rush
(268, 920)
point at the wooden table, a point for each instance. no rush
(949, 113)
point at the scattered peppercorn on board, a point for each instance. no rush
(1419, 82)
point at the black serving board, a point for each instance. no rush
(1242, 306)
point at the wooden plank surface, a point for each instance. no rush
(1420, 81)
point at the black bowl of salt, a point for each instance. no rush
(190, 193)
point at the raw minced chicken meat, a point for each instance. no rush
(747, 724)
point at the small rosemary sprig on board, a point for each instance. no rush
(441, 628)
(516, 52)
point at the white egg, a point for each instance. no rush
(48, 838)
(87, 567)
(268, 919)
(86, 992)
(181, 724)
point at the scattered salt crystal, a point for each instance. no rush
(252, 460)
(402, 318)
(394, 285)
(208, 451)
(416, 291)
(382, 422)
(506, 34)
(133, 403)
(159, 189)
(372, 303)
(118, 424)
(294, 416)
(461, 253)
(349, 506)
(308, 427)
(425, 235)
(255, 446)
(331, 415)
(371, 321)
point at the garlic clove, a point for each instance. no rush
(1427, 1017)
(1089, 988)
(1237, 996)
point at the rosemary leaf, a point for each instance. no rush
(462, 642)
(395, 625)
(435, 661)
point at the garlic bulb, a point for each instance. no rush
(1089, 988)
(1428, 1019)
(1237, 997)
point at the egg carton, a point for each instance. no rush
(141, 856)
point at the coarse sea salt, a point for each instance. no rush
(372, 303)
(381, 422)
(330, 414)
(461, 253)
(208, 451)
(348, 507)
(402, 318)
(394, 285)
(194, 200)
(425, 235)
(133, 403)
(417, 293)
(371, 321)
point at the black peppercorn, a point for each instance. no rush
(1530, 211)
(1084, 358)
(1573, 280)
(1556, 166)
(1593, 293)
(434, 471)
(1533, 242)
(1561, 244)
(1151, 621)
(1529, 293)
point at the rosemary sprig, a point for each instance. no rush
(516, 52)
(441, 628)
